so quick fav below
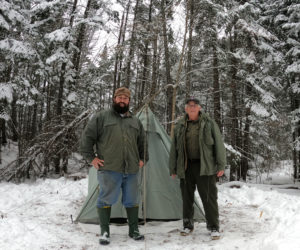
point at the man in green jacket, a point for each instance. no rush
(118, 137)
(197, 157)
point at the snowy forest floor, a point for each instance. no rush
(252, 216)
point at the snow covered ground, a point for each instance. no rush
(253, 216)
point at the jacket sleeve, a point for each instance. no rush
(89, 139)
(220, 151)
(173, 156)
(143, 152)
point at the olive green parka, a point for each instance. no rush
(212, 150)
(119, 141)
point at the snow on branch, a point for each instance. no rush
(6, 92)
(55, 140)
(17, 47)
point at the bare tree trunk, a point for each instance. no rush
(154, 69)
(14, 120)
(146, 58)
(76, 59)
(234, 111)
(179, 72)
(217, 94)
(80, 38)
(190, 47)
(295, 135)
(121, 70)
(120, 49)
(167, 66)
(132, 45)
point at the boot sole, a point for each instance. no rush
(185, 234)
(104, 242)
(137, 238)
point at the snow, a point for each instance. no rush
(44, 5)
(72, 97)
(16, 47)
(259, 110)
(6, 92)
(59, 35)
(252, 216)
(232, 150)
(293, 68)
(57, 56)
(3, 23)
(280, 18)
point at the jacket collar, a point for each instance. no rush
(184, 119)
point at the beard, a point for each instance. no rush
(119, 109)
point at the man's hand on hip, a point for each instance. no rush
(97, 163)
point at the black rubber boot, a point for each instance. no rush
(104, 217)
(132, 215)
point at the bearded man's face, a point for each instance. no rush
(121, 104)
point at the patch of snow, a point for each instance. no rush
(59, 35)
(293, 68)
(6, 92)
(3, 23)
(72, 97)
(16, 47)
(259, 110)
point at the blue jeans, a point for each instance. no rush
(111, 183)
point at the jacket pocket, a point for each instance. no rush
(208, 138)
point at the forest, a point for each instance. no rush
(61, 60)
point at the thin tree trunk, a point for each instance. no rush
(118, 62)
(14, 118)
(121, 70)
(234, 111)
(120, 48)
(76, 59)
(154, 69)
(216, 84)
(132, 46)
(294, 136)
(178, 74)
(189, 52)
(146, 58)
(167, 66)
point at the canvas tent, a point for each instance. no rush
(162, 197)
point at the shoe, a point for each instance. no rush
(132, 216)
(104, 239)
(104, 217)
(136, 235)
(186, 231)
(215, 234)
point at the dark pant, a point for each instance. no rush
(208, 192)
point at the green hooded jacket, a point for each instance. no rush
(119, 141)
(212, 149)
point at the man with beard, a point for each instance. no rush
(118, 137)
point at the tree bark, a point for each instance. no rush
(154, 69)
(234, 112)
(178, 73)
(216, 84)
(76, 59)
(190, 48)
(132, 45)
(146, 57)
(169, 80)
